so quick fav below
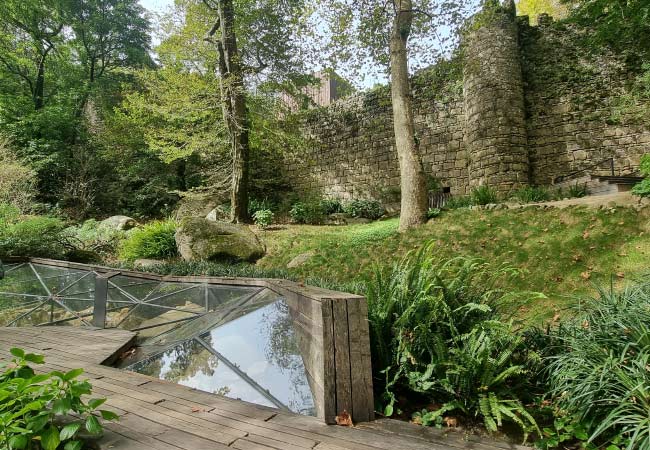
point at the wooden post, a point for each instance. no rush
(101, 298)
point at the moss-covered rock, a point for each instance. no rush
(199, 239)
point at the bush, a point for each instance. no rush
(598, 369)
(255, 205)
(642, 189)
(532, 194)
(154, 240)
(307, 212)
(459, 202)
(93, 237)
(577, 191)
(433, 213)
(31, 236)
(17, 181)
(367, 209)
(263, 218)
(331, 206)
(484, 195)
(436, 333)
(31, 404)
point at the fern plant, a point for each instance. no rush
(436, 330)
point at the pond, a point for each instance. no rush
(236, 341)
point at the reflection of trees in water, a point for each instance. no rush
(187, 360)
(283, 352)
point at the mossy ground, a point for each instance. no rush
(562, 253)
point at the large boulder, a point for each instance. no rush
(199, 239)
(122, 223)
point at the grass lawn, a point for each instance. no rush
(562, 252)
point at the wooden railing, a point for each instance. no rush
(579, 173)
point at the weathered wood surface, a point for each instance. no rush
(157, 415)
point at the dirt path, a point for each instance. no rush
(594, 201)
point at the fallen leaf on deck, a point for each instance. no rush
(344, 419)
(451, 422)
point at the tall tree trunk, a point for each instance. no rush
(235, 113)
(39, 89)
(412, 178)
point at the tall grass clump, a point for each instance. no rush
(154, 240)
(484, 195)
(599, 372)
(441, 335)
(532, 194)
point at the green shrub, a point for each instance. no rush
(436, 333)
(93, 237)
(32, 236)
(532, 194)
(577, 191)
(255, 205)
(154, 240)
(484, 195)
(433, 213)
(263, 218)
(17, 181)
(459, 202)
(642, 189)
(30, 405)
(367, 209)
(307, 212)
(331, 206)
(598, 370)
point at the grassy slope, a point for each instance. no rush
(563, 251)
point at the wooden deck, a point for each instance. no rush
(164, 416)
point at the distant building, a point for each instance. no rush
(332, 87)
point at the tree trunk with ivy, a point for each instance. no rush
(413, 180)
(234, 109)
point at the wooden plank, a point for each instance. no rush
(327, 406)
(362, 405)
(343, 379)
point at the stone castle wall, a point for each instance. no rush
(525, 106)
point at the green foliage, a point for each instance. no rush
(565, 430)
(308, 212)
(263, 218)
(17, 180)
(153, 240)
(484, 195)
(31, 236)
(463, 201)
(598, 366)
(435, 331)
(367, 209)
(32, 405)
(532, 194)
(331, 206)
(93, 237)
(255, 205)
(433, 213)
(533, 8)
(642, 189)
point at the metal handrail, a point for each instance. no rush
(562, 178)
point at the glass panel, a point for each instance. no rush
(22, 281)
(144, 315)
(136, 287)
(190, 299)
(220, 295)
(49, 312)
(263, 345)
(116, 312)
(190, 364)
(83, 288)
(12, 307)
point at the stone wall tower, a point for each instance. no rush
(495, 128)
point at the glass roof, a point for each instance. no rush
(236, 341)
